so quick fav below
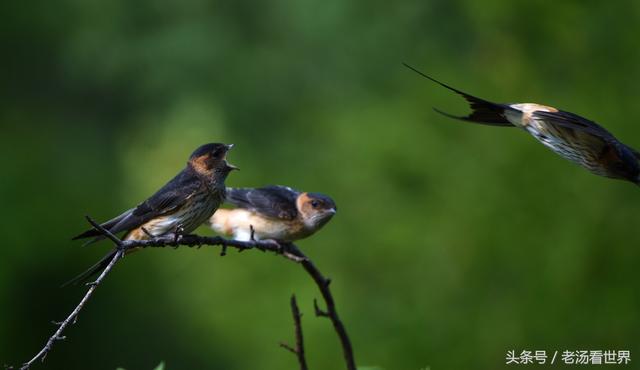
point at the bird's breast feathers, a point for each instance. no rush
(193, 213)
(239, 222)
(522, 115)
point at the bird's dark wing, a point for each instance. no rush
(107, 225)
(634, 152)
(590, 132)
(573, 121)
(271, 201)
(166, 200)
(482, 111)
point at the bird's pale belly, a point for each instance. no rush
(568, 147)
(239, 222)
(556, 140)
(191, 215)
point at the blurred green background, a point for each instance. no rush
(453, 243)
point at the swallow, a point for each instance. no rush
(272, 212)
(571, 136)
(179, 207)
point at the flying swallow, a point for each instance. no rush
(573, 137)
(272, 212)
(179, 207)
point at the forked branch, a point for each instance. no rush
(289, 251)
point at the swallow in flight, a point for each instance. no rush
(571, 136)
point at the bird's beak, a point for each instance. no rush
(229, 165)
(333, 211)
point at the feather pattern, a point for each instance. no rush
(272, 201)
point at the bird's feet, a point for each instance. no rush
(179, 234)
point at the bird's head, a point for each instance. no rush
(316, 209)
(211, 159)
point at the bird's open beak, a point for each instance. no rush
(229, 165)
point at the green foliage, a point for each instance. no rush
(453, 243)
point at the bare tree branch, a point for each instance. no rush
(299, 349)
(71, 319)
(331, 313)
(289, 251)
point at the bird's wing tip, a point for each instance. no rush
(462, 118)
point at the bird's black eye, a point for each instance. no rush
(216, 154)
(315, 203)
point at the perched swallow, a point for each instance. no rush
(272, 212)
(575, 138)
(180, 206)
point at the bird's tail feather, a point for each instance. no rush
(114, 225)
(482, 111)
(93, 240)
(484, 114)
(91, 271)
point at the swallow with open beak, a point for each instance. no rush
(573, 137)
(179, 207)
(272, 212)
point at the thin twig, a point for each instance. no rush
(319, 312)
(197, 241)
(71, 319)
(289, 251)
(161, 241)
(104, 231)
(330, 313)
(299, 349)
(288, 348)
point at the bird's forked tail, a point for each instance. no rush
(93, 270)
(482, 111)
